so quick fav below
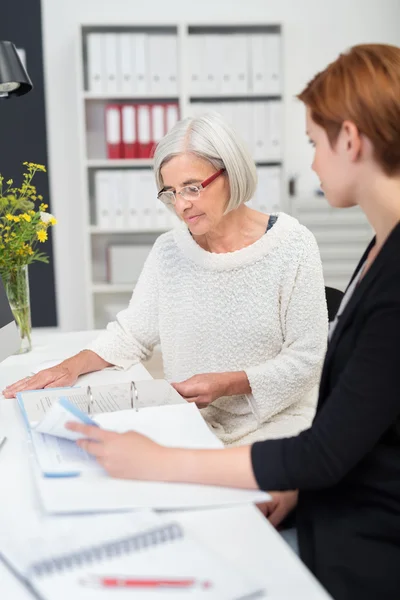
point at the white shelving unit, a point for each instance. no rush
(103, 298)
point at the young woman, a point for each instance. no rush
(347, 465)
(235, 297)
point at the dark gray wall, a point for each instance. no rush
(23, 138)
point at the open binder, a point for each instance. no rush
(160, 552)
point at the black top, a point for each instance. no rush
(347, 465)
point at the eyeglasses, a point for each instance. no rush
(191, 193)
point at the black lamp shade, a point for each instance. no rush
(14, 80)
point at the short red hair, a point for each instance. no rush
(362, 86)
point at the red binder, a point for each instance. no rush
(113, 131)
(129, 131)
(144, 130)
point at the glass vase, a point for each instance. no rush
(16, 283)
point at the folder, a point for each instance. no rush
(170, 64)
(147, 199)
(129, 135)
(239, 64)
(157, 64)
(261, 131)
(158, 119)
(140, 51)
(258, 71)
(272, 50)
(118, 199)
(195, 65)
(171, 116)
(211, 65)
(132, 199)
(95, 65)
(127, 62)
(102, 199)
(112, 63)
(275, 108)
(144, 130)
(113, 131)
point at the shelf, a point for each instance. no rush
(135, 97)
(94, 230)
(112, 288)
(117, 163)
(232, 97)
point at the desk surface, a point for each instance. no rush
(241, 534)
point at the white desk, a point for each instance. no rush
(241, 534)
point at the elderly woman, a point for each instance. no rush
(235, 297)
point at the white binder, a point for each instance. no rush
(170, 64)
(272, 49)
(261, 131)
(127, 63)
(157, 64)
(140, 49)
(227, 68)
(112, 63)
(211, 65)
(239, 62)
(157, 120)
(172, 116)
(102, 199)
(133, 205)
(147, 199)
(95, 64)
(258, 73)
(275, 108)
(118, 206)
(195, 64)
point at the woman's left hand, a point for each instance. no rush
(204, 389)
(123, 455)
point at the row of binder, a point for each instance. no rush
(235, 64)
(133, 130)
(127, 199)
(259, 124)
(132, 63)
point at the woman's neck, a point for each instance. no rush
(380, 202)
(238, 229)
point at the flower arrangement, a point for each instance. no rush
(23, 228)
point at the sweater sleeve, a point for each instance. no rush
(361, 407)
(134, 333)
(284, 380)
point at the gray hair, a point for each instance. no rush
(209, 137)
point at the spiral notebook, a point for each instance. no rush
(156, 560)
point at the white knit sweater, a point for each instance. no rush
(260, 309)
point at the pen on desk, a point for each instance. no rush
(100, 581)
(3, 441)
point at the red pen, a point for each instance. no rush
(101, 581)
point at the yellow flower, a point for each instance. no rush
(27, 217)
(32, 213)
(43, 207)
(41, 235)
(9, 182)
(9, 217)
(7, 228)
(53, 221)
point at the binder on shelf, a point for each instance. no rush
(275, 127)
(261, 131)
(113, 131)
(147, 199)
(118, 198)
(211, 65)
(95, 64)
(129, 133)
(272, 49)
(171, 116)
(170, 53)
(144, 130)
(227, 67)
(257, 60)
(132, 200)
(268, 194)
(239, 64)
(102, 195)
(196, 64)
(157, 124)
(112, 63)
(127, 63)
(140, 51)
(157, 64)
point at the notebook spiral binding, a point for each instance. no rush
(94, 554)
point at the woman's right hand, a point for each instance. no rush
(61, 375)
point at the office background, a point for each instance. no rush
(313, 33)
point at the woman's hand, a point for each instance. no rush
(59, 376)
(123, 455)
(277, 509)
(207, 387)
